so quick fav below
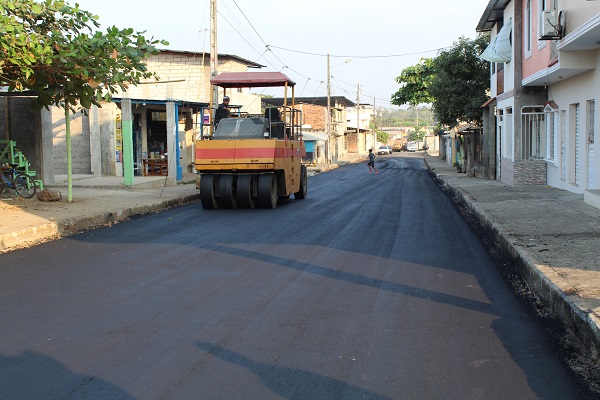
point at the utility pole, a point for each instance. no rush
(328, 147)
(214, 60)
(357, 116)
(374, 123)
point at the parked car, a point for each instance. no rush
(384, 150)
(412, 146)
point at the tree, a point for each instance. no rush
(414, 84)
(455, 82)
(459, 85)
(53, 49)
(382, 137)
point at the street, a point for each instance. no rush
(371, 288)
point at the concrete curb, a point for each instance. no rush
(541, 279)
(57, 229)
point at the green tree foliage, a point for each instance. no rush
(53, 49)
(407, 117)
(414, 84)
(455, 82)
(382, 137)
(461, 81)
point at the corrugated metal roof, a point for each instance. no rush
(493, 13)
(248, 63)
(319, 101)
(251, 79)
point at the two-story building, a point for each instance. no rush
(544, 82)
(323, 143)
(360, 136)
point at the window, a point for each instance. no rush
(508, 146)
(552, 122)
(591, 106)
(528, 28)
(533, 125)
(541, 8)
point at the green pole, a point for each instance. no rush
(69, 160)
(127, 135)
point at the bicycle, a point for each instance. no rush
(23, 184)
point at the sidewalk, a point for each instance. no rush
(552, 234)
(101, 201)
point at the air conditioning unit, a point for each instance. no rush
(552, 25)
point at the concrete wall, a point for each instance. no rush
(80, 142)
(577, 90)
(186, 76)
(106, 123)
(20, 122)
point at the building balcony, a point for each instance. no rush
(572, 55)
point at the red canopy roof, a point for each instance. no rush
(251, 79)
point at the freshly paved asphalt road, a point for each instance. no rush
(371, 288)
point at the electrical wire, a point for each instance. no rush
(269, 51)
(357, 56)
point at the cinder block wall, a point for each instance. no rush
(21, 126)
(80, 142)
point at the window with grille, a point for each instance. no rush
(534, 132)
(591, 106)
(551, 124)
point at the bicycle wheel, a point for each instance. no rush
(24, 185)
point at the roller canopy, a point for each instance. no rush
(251, 79)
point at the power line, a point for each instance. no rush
(355, 56)
(269, 49)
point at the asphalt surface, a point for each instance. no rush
(373, 287)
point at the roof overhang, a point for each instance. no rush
(487, 103)
(249, 64)
(570, 64)
(251, 79)
(195, 105)
(585, 37)
(319, 101)
(493, 13)
(314, 136)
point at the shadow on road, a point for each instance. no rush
(292, 383)
(33, 375)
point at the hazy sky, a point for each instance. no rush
(379, 37)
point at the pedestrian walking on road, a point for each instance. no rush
(371, 162)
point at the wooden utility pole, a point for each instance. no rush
(214, 60)
(357, 116)
(374, 123)
(328, 147)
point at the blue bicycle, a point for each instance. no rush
(23, 184)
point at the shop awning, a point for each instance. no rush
(251, 79)
(500, 48)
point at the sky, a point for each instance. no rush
(368, 42)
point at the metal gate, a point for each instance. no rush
(577, 142)
(590, 144)
(563, 145)
(533, 125)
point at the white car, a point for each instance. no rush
(384, 150)
(412, 146)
